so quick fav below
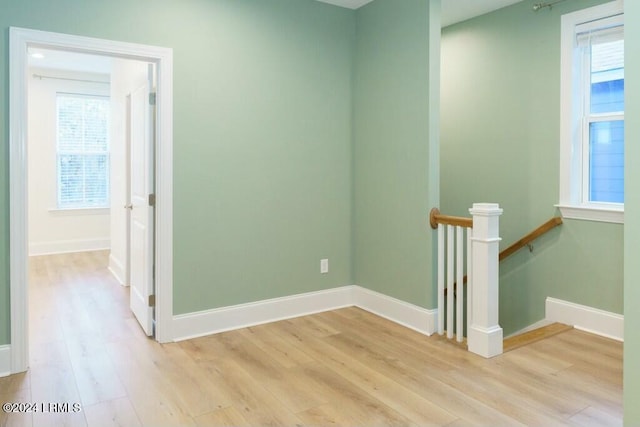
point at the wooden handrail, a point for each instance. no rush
(549, 225)
(527, 239)
(435, 218)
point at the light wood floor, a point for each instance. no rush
(345, 367)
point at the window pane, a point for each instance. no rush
(70, 123)
(607, 97)
(70, 186)
(607, 77)
(96, 189)
(95, 130)
(606, 161)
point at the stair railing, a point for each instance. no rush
(516, 246)
(451, 231)
(484, 334)
(482, 258)
(533, 235)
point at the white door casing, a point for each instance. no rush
(20, 40)
(141, 212)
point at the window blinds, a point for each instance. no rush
(82, 151)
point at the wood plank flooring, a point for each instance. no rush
(530, 337)
(342, 368)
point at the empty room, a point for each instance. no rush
(340, 212)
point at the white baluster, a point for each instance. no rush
(469, 279)
(450, 260)
(485, 335)
(459, 279)
(440, 279)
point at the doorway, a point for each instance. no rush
(87, 115)
(21, 40)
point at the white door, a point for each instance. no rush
(141, 234)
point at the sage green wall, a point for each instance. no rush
(500, 125)
(632, 213)
(392, 241)
(262, 138)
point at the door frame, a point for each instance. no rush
(20, 39)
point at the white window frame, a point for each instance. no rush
(81, 206)
(573, 178)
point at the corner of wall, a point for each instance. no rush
(409, 315)
(117, 269)
(5, 360)
(192, 325)
(395, 138)
(588, 319)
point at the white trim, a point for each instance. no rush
(589, 319)
(601, 214)
(485, 341)
(223, 319)
(5, 360)
(66, 246)
(207, 322)
(17, 199)
(411, 316)
(117, 270)
(19, 41)
(79, 211)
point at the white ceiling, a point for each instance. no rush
(350, 4)
(452, 10)
(460, 10)
(62, 60)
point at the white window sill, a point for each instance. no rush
(79, 211)
(613, 214)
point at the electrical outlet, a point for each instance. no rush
(324, 266)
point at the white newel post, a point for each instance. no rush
(484, 337)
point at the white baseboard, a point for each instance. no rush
(5, 360)
(67, 246)
(412, 316)
(192, 325)
(599, 322)
(117, 270)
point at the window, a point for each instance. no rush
(592, 115)
(82, 151)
